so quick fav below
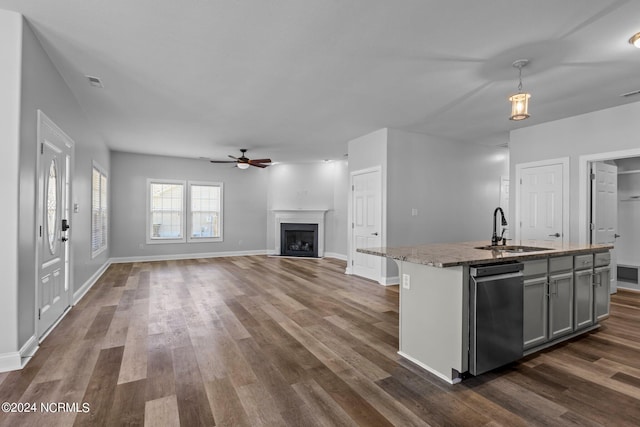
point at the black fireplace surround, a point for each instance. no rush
(299, 240)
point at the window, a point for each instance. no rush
(177, 215)
(99, 219)
(166, 211)
(205, 212)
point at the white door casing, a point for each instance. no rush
(542, 201)
(604, 210)
(366, 220)
(53, 293)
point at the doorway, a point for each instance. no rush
(624, 254)
(542, 202)
(53, 269)
(366, 222)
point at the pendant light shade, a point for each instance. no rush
(520, 101)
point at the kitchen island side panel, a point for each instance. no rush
(432, 318)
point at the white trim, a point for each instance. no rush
(335, 255)
(389, 280)
(429, 369)
(189, 214)
(18, 359)
(120, 260)
(584, 193)
(157, 241)
(566, 199)
(43, 119)
(102, 171)
(77, 295)
(351, 250)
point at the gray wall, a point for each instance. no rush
(605, 131)
(312, 186)
(455, 188)
(43, 88)
(245, 201)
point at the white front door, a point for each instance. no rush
(604, 210)
(52, 294)
(366, 223)
(541, 203)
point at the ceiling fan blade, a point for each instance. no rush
(260, 161)
(234, 158)
(222, 161)
(258, 165)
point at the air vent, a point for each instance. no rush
(635, 92)
(95, 81)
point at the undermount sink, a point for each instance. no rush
(513, 249)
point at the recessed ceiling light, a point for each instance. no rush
(635, 40)
(95, 81)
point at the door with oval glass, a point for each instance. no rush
(53, 294)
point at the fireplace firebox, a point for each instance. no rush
(299, 240)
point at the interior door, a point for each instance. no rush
(366, 223)
(541, 203)
(604, 210)
(53, 293)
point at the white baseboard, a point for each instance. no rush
(15, 360)
(77, 295)
(10, 361)
(175, 257)
(389, 281)
(335, 255)
(427, 368)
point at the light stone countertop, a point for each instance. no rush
(466, 253)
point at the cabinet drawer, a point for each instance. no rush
(535, 268)
(602, 259)
(561, 263)
(583, 262)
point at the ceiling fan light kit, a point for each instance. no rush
(520, 101)
(243, 162)
(635, 40)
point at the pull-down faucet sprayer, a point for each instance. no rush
(494, 237)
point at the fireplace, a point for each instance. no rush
(298, 239)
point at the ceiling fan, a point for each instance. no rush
(243, 162)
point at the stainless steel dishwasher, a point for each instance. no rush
(495, 315)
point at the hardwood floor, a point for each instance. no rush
(250, 341)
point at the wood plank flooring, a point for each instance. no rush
(266, 341)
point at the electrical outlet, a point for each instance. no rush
(406, 281)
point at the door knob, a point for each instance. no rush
(64, 239)
(374, 234)
(554, 235)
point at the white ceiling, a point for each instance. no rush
(297, 79)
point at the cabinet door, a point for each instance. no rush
(601, 283)
(535, 312)
(560, 304)
(583, 298)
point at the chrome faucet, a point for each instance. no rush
(494, 237)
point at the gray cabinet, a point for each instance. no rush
(535, 313)
(560, 304)
(602, 283)
(583, 291)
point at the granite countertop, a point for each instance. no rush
(466, 253)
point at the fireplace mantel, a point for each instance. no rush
(300, 216)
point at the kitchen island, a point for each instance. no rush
(565, 293)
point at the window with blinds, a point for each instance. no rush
(99, 213)
(184, 211)
(205, 212)
(166, 213)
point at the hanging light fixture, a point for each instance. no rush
(635, 40)
(520, 101)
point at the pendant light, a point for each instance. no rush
(520, 101)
